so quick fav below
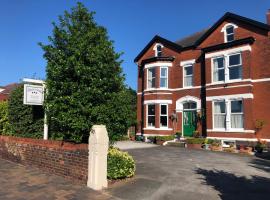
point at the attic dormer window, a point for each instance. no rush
(158, 50)
(229, 32)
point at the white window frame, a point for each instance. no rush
(228, 127)
(155, 48)
(226, 68)
(228, 34)
(166, 76)
(241, 64)
(224, 30)
(162, 115)
(155, 77)
(147, 115)
(184, 76)
(242, 113)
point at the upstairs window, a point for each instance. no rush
(151, 79)
(219, 69)
(188, 76)
(163, 77)
(159, 50)
(235, 66)
(230, 33)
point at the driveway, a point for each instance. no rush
(177, 173)
(162, 173)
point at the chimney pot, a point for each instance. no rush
(268, 17)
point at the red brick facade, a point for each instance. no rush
(251, 40)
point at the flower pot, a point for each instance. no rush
(160, 142)
(194, 146)
(216, 148)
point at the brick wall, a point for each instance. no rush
(64, 159)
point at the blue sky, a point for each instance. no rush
(131, 24)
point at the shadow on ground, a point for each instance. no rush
(231, 187)
(261, 164)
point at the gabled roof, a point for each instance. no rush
(162, 41)
(236, 17)
(191, 39)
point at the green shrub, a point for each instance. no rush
(195, 140)
(208, 141)
(25, 120)
(3, 117)
(120, 164)
(165, 138)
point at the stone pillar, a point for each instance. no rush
(97, 161)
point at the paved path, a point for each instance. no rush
(162, 173)
(176, 173)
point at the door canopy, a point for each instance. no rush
(187, 99)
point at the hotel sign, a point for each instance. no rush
(33, 94)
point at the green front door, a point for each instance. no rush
(189, 122)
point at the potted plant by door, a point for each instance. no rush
(260, 146)
(194, 143)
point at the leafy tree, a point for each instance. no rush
(84, 78)
(3, 117)
(25, 120)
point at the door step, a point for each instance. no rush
(176, 144)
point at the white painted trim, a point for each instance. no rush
(179, 103)
(158, 129)
(157, 102)
(226, 25)
(155, 48)
(228, 51)
(138, 133)
(238, 139)
(260, 80)
(29, 80)
(231, 130)
(157, 93)
(231, 81)
(233, 86)
(146, 134)
(183, 75)
(167, 78)
(158, 64)
(172, 89)
(187, 62)
(231, 97)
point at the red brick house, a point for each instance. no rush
(216, 81)
(6, 90)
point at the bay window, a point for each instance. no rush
(228, 114)
(151, 115)
(151, 78)
(219, 115)
(163, 115)
(163, 77)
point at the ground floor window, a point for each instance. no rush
(228, 114)
(163, 115)
(151, 115)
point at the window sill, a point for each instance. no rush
(231, 130)
(158, 129)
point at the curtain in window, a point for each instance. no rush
(219, 116)
(188, 81)
(237, 120)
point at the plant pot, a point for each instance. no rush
(216, 148)
(194, 146)
(259, 149)
(207, 146)
(160, 142)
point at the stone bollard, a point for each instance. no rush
(97, 161)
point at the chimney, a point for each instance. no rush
(268, 17)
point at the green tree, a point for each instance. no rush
(84, 78)
(25, 120)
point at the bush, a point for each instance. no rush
(3, 117)
(165, 138)
(25, 120)
(195, 140)
(120, 164)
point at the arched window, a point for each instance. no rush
(230, 33)
(189, 105)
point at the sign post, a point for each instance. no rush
(34, 95)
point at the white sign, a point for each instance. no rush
(33, 94)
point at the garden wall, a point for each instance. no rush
(57, 157)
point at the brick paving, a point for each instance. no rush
(18, 182)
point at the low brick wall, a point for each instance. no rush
(60, 158)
